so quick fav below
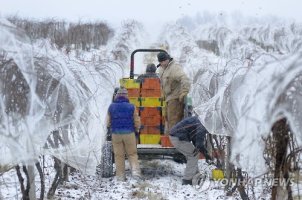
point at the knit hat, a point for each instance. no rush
(122, 92)
(151, 68)
(162, 56)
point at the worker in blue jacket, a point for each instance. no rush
(188, 137)
(123, 121)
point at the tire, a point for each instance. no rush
(105, 169)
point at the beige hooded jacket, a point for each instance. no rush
(174, 81)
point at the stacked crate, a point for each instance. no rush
(133, 87)
(150, 111)
(146, 96)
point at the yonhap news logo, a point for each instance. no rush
(270, 182)
(257, 182)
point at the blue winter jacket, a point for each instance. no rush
(190, 129)
(121, 116)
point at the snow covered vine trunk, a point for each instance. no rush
(229, 167)
(241, 188)
(21, 181)
(27, 185)
(281, 135)
(59, 177)
(38, 166)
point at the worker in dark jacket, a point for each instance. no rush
(188, 137)
(150, 72)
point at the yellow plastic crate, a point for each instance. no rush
(135, 101)
(217, 174)
(149, 138)
(151, 101)
(129, 83)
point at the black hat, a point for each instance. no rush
(151, 68)
(162, 56)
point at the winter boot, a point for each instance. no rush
(121, 178)
(136, 174)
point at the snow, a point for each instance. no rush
(162, 180)
(241, 90)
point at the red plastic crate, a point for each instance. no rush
(150, 92)
(150, 111)
(152, 120)
(165, 141)
(151, 83)
(133, 92)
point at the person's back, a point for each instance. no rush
(121, 112)
(123, 120)
(150, 72)
(189, 129)
(188, 137)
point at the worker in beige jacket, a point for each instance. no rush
(175, 86)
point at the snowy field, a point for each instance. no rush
(162, 180)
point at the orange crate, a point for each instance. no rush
(151, 129)
(152, 120)
(165, 141)
(133, 92)
(150, 92)
(151, 83)
(149, 111)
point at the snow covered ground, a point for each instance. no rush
(162, 180)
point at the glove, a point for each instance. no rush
(136, 133)
(182, 96)
(137, 130)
